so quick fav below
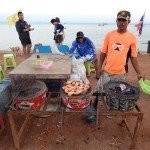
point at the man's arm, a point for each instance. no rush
(91, 44)
(26, 30)
(135, 64)
(72, 49)
(134, 60)
(61, 27)
(101, 61)
(103, 53)
(18, 27)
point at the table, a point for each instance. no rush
(136, 112)
(61, 68)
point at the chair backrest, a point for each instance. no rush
(43, 49)
(63, 48)
(1, 74)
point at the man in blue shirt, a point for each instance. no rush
(83, 48)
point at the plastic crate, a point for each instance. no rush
(5, 96)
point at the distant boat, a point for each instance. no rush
(102, 24)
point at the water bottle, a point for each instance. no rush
(37, 53)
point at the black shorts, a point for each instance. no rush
(25, 41)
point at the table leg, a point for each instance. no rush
(13, 130)
(97, 115)
(2, 126)
(136, 131)
(62, 120)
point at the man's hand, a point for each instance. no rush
(29, 26)
(99, 73)
(31, 29)
(139, 76)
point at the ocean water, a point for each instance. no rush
(43, 33)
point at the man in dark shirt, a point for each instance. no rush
(58, 32)
(23, 29)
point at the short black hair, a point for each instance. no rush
(53, 20)
(20, 13)
(57, 19)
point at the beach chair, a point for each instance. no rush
(6, 57)
(63, 48)
(43, 49)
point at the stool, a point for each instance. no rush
(1, 74)
(89, 67)
(9, 56)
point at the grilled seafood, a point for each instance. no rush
(75, 87)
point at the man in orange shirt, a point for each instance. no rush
(118, 46)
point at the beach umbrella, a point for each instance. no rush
(13, 18)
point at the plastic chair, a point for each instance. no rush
(63, 48)
(89, 67)
(1, 74)
(43, 49)
(5, 58)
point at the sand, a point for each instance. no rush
(44, 133)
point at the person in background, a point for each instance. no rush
(23, 29)
(119, 45)
(58, 31)
(83, 48)
(58, 20)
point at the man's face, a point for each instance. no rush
(122, 24)
(55, 23)
(21, 17)
(80, 39)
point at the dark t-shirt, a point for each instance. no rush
(59, 27)
(20, 26)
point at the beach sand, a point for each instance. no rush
(78, 134)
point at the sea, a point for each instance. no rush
(43, 33)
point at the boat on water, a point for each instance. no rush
(102, 24)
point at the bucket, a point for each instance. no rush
(32, 97)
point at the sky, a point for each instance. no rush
(75, 11)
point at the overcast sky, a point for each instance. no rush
(91, 10)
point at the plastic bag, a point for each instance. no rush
(78, 70)
(56, 51)
(145, 85)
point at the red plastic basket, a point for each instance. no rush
(76, 102)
